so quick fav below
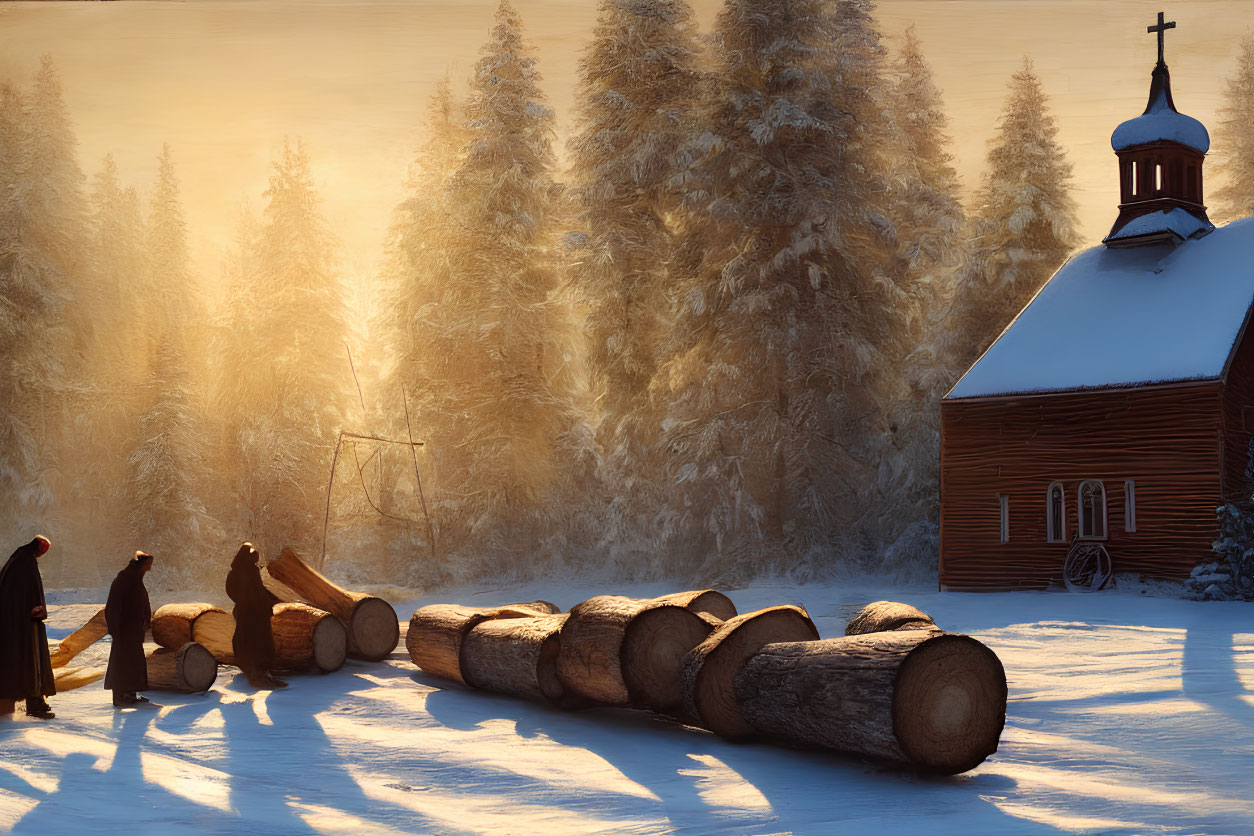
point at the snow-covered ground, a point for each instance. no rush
(1128, 714)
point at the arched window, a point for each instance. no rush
(1091, 507)
(1134, 178)
(1055, 513)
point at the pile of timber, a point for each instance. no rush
(305, 638)
(895, 687)
(371, 623)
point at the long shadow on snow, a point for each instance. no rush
(705, 784)
(291, 760)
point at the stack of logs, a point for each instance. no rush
(895, 687)
(316, 626)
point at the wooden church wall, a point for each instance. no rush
(1166, 439)
(1238, 421)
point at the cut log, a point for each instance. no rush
(68, 679)
(172, 623)
(592, 662)
(930, 699)
(189, 669)
(538, 606)
(306, 637)
(708, 601)
(436, 632)
(516, 656)
(78, 641)
(214, 630)
(886, 616)
(653, 651)
(373, 628)
(709, 671)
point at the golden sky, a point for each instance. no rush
(223, 81)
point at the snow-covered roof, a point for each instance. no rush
(1177, 221)
(1123, 317)
(1161, 121)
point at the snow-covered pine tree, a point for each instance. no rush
(166, 459)
(780, 326)
(1022, 229)
(495, 379)
(639, 87)
(284, 376)
(929, 219)
(1234, 140)
(43, 242)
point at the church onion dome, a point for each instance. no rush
(1161, 121)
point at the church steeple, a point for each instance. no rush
(1160, 167)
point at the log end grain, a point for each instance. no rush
(709, 671)
(373, 630)
(189, 669)
(652, 656)
(885, 616)
(589, 663)
(949, 704)
(330, 644)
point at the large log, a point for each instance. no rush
(373, 628)
(930, 699)
(516, 656)
(172, 624)
(709, 672)
(78, 641)
(189, 669)
(307, 637)
(886, 616)
(591, 663)
(436, 632)
(708, 601)
(214, 630)
(655, 644)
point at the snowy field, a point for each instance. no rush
(1128, 714)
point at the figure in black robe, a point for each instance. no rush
(128, 614)
(25, 666)
(253, 642)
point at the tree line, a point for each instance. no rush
(711, 344)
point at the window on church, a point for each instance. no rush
(1129, 505)
(1158, 178)
(1091, 507)
(1003, 502)
(1134, 179)
(1055, 513)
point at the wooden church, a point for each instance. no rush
(1118, 406)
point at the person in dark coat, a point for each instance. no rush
(127, 615)
(25, 666)
(253, 642)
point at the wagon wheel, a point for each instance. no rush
(1087, 567)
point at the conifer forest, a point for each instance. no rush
(696, 327)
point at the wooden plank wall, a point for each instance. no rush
(1165, 439)
(1238, 422)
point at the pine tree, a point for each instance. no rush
(639, 88)
(1234, 140)
(781, 327)
(284, 374)
(43, 242)
(495, 380)
(167, 454)
(1022, 229)
(929, 219)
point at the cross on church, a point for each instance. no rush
(1160, 29)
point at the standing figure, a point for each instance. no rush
(127, 615)
(25, 666)
(253, 642)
